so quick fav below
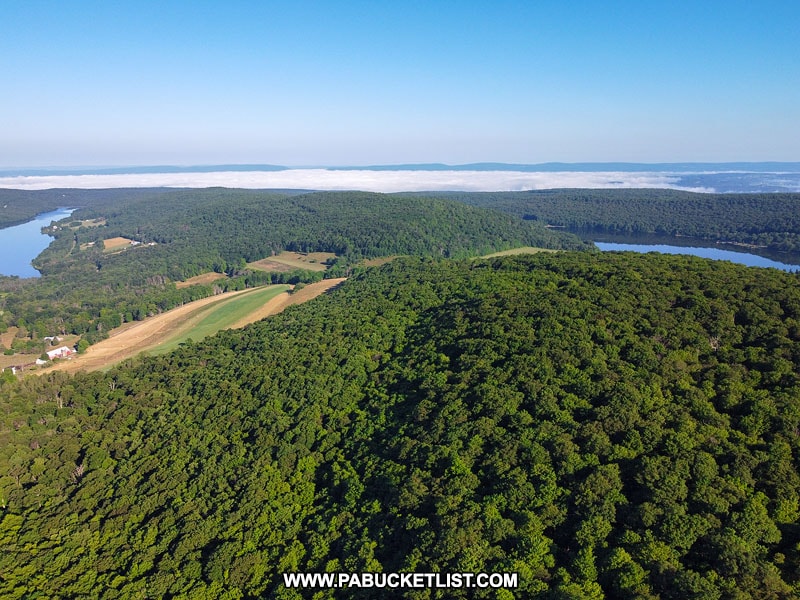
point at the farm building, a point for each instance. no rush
(62, 352)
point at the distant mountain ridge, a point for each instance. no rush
(592, 167)
(549, 167)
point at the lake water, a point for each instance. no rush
(20, 244)
(744, 258)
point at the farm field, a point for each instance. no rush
(279, 303)
(8, 337)
(116, 243)
(133, 338)
(377, 262)
(5, 341)
(521, 250)
(90, 223)
(218, 316)
(203, 279)
(288, 261)
(194, 320)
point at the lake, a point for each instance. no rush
(20, 244)
(744, 258)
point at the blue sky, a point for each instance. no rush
(358, 83)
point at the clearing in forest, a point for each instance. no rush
(521, 250)
(89, 223)
(116, 243)
(194, 320)
(8, 337)
(203, 279)
(377, 262)
(218, 316)
(288, 261)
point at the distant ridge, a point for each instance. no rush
(550, 167)
(593, 167)
(753, 167)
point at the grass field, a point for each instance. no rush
(522, 250)
(203, 279)
(194, 320)
(219, 316)
(91, 223)
(5, 341)
(8, 337)
(287, 261)
(270, 266)
(377, 262)
(115, 243)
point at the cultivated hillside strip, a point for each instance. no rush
(87, 290)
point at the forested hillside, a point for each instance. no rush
(19, 206)
(87, 290)
(769, 220)
(604, 425)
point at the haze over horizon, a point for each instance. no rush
(363, 83)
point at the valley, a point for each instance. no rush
(483, 394)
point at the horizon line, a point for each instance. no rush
(757, 166)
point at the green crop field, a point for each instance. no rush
(219, 316)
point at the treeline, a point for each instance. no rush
(93, 315)
(84, 289)
(770, 220)
(202, 229)
(19, 206)
(602, 424)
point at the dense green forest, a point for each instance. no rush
(202, 229)
(605, 425)
(86, 290)
(19, 206)
(769, 220)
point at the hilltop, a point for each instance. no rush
(619, 425)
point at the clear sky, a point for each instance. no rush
(357, 83)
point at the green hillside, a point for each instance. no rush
(617, 426)
(19, 206)
(201, 230)
(767, 220)
(87, 291)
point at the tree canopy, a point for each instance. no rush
(602, 424)
(770, 220)
(87, 289)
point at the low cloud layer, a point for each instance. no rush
(366, 180)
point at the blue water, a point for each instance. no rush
(19, 245)
(751, 260)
